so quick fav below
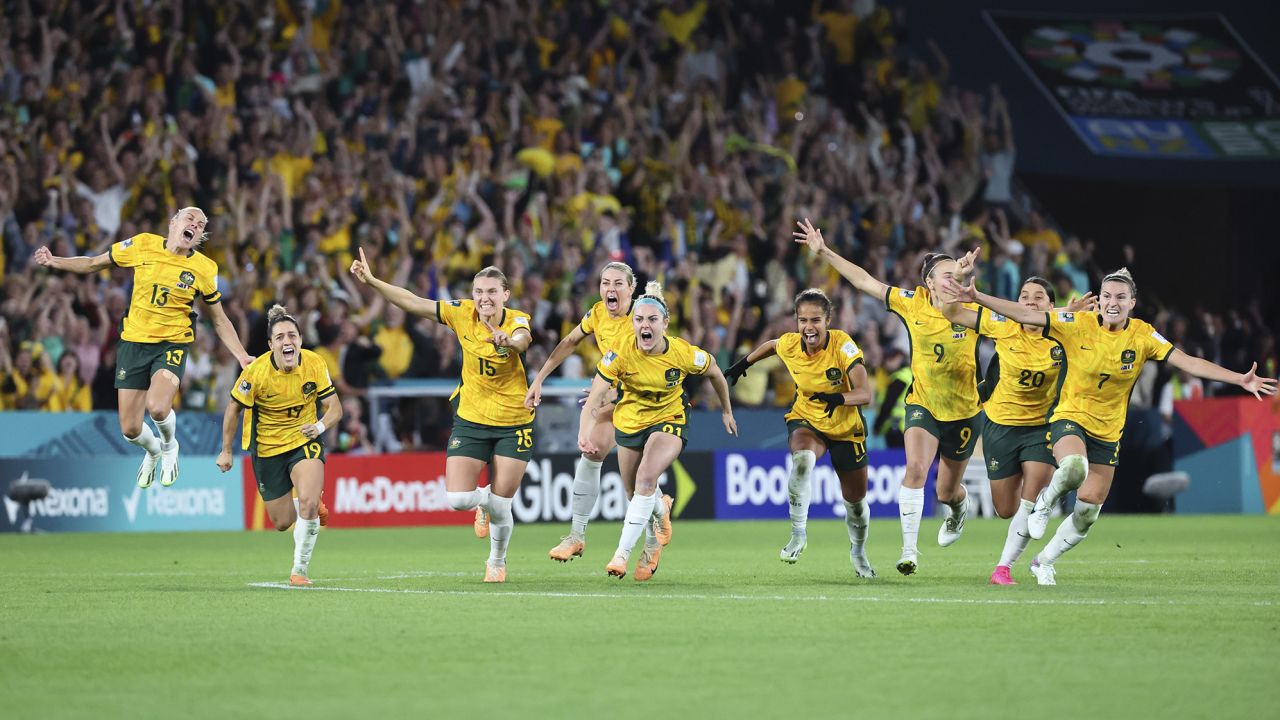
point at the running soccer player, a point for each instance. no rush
(1023, 385)
(609, 320)
(942, 403)
(831, 385)
(168, 274)
(282, 391)
(491, 425)
(649, 419)
(1105, 352)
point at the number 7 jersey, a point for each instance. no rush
(1102, 368)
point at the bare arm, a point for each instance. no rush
(230, 424)
(397, 296)
(859, 278)
(595, 400)
(861, 393)
(721, 387)
(226, 332)
(82, 265)
(559, 354)
(1202, 368)
(1008, 308)
(332, 416)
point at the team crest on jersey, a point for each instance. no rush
(455, 443)
(835, 376)
(673, 377)
(308, 388)
(917, 414)
(245, 386)
(121, 373)
(1056, 354)
(1127, 358)
(186, 280)
(957, 331)
(994, 464)
(503, 352)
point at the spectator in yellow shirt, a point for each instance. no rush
(70, 394)
(1037, 232)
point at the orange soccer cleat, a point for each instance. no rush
(617, 567)
(569, 548)
(299, 579)
(495, 573)
(648, 563)
(324, 515)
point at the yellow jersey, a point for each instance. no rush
(1029, 366)
(279, 403)
(651, 387)
(1102, 367)
(493, 383)
(165, 287)
(827, 370)
(610, 332)
(944, 357)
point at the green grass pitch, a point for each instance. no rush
(1165, 617)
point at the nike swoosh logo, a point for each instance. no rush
(919, 323)
(907, 514)
(520, 451)
(580, 494)
(639, 523)
(1085, 347)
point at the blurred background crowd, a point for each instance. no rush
(546, 137)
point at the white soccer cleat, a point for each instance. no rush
(952, 524)
(1045, 574)
(169, 465)
(861, 566)
(796, 545)
(147, 473)
(908, 563)
(1038, 520)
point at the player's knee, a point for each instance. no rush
(283, 523)
(595, 457)
(854, 494)
(131, 428)
(802, 461)
(461, 500)
(1005, 509)
(646, 484)
(309, 508)
(158, 410)
(917, 470)
(1076, 467)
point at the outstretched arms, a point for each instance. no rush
(1202, 368)
(397, 296)
(738, 369)
(859, 278)
(82, 265)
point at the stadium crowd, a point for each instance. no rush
(546, 137)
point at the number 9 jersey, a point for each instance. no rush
(944, 357)
(279, 403)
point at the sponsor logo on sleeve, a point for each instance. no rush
(522, 321)
(1066, 317)
(609, 357)
(245, 386)
(907, 293)
(850, 349)
(997, 317)
(699, 359)
(1159, 338)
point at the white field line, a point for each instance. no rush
(739, 597)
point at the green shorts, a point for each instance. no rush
(483, 442)
(636, 440)
(956, 438)
(1006, 447)
(137, 362)
(1099, 452)
(274, 474)
(846, 455)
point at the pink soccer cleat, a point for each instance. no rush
(1000, 576)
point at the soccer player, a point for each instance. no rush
(609, 320)
(649, 419)
(169, 273)
(1024, 375)
(831, 385)
(491, 425)
(942, 404)
(282, 391)
(1105, 352)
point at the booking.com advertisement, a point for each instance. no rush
(102, 495)
(752, 485)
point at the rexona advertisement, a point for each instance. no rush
(1150, 86)
(101, 494)
(752, 485)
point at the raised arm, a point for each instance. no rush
(859, 278)
(82, 265)
(1008, 308)
(559, 354)
(738, 369)
(1202, 368)
(397, 296)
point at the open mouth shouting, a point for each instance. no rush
(611, 301)
(289, 353)
(811, 337)
(646, 337)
